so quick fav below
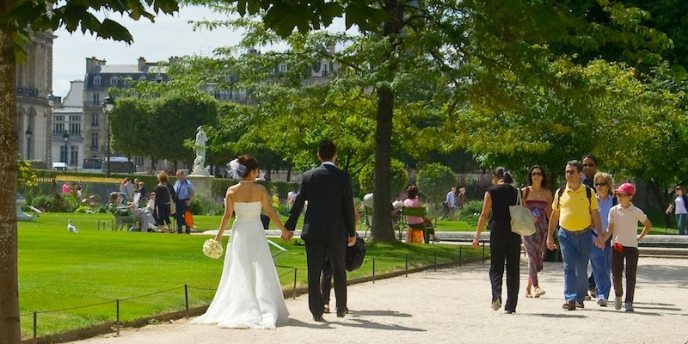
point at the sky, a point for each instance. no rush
(168, 36)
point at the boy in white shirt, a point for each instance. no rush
(623, 228)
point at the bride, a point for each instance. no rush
(249, 294)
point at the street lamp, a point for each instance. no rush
(28, 134)
(108, 105)
(65, 138)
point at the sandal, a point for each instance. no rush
(539, 292)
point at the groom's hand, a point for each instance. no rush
(352, 240)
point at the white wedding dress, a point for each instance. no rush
(249, 294)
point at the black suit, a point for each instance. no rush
(328, 223)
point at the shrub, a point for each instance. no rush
(201, 206)
(399, 181)
(471, 208)
(56, 203)
(434, 181)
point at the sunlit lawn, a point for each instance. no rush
(59, 270)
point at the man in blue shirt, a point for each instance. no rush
(450, 202)
(184, 192)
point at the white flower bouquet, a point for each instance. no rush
(212, 248)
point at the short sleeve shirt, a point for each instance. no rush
(625, 221)
(574, 208)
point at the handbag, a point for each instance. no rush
(173, 206)
(521, 218)
(355, 255)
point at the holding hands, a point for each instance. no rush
(286, 235)
(550, 243)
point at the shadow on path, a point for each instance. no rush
(377, 326)
(379, 313)
(560, 316)
(317, 326)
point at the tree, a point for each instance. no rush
(386, 58)
(17, 19)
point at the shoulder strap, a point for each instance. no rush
(525, 196)
(560, 191)
(588, 192)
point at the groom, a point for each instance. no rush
(328, 225)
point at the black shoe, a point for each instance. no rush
(318, 318)
(580, 304)
(326, 309)
(508, 311)
(569, 306)
(340, 314)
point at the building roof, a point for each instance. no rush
(75, 96)
(130, 69)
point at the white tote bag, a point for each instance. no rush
(521, 218)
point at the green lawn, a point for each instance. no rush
(59, 270)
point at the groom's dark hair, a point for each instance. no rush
(327, 149)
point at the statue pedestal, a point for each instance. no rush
(22, 216)
(203, 185)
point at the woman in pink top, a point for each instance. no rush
(412, 200)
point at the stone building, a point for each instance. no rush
(98, 79)
(34, 85)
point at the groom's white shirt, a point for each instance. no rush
(328, 163)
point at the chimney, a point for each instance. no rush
(92, 64)
(142, 64)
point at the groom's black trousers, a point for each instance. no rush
(316, 249)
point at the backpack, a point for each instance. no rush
(588, 193)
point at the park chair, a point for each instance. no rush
(418, 212)
(124, 220)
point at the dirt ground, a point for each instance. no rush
(453, 306)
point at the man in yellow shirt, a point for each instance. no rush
(574, 211)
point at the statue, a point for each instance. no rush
(199, 162)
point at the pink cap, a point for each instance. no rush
(626, 188)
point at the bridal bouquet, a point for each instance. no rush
(212, 248)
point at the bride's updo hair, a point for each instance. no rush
(249, 162)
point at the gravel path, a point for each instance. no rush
(453, 306)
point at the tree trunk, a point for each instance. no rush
(382, 220)
(289, 173)
(9, 290)
(660, 197)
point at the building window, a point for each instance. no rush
(74, 156)
(63, 153)
(94, 119)
(75, 128)
(94, 141)
(58, 125)
(96, 80)
(114, 81)
(324, 70)
(96, 99)
(282, 67)
(142, 78)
